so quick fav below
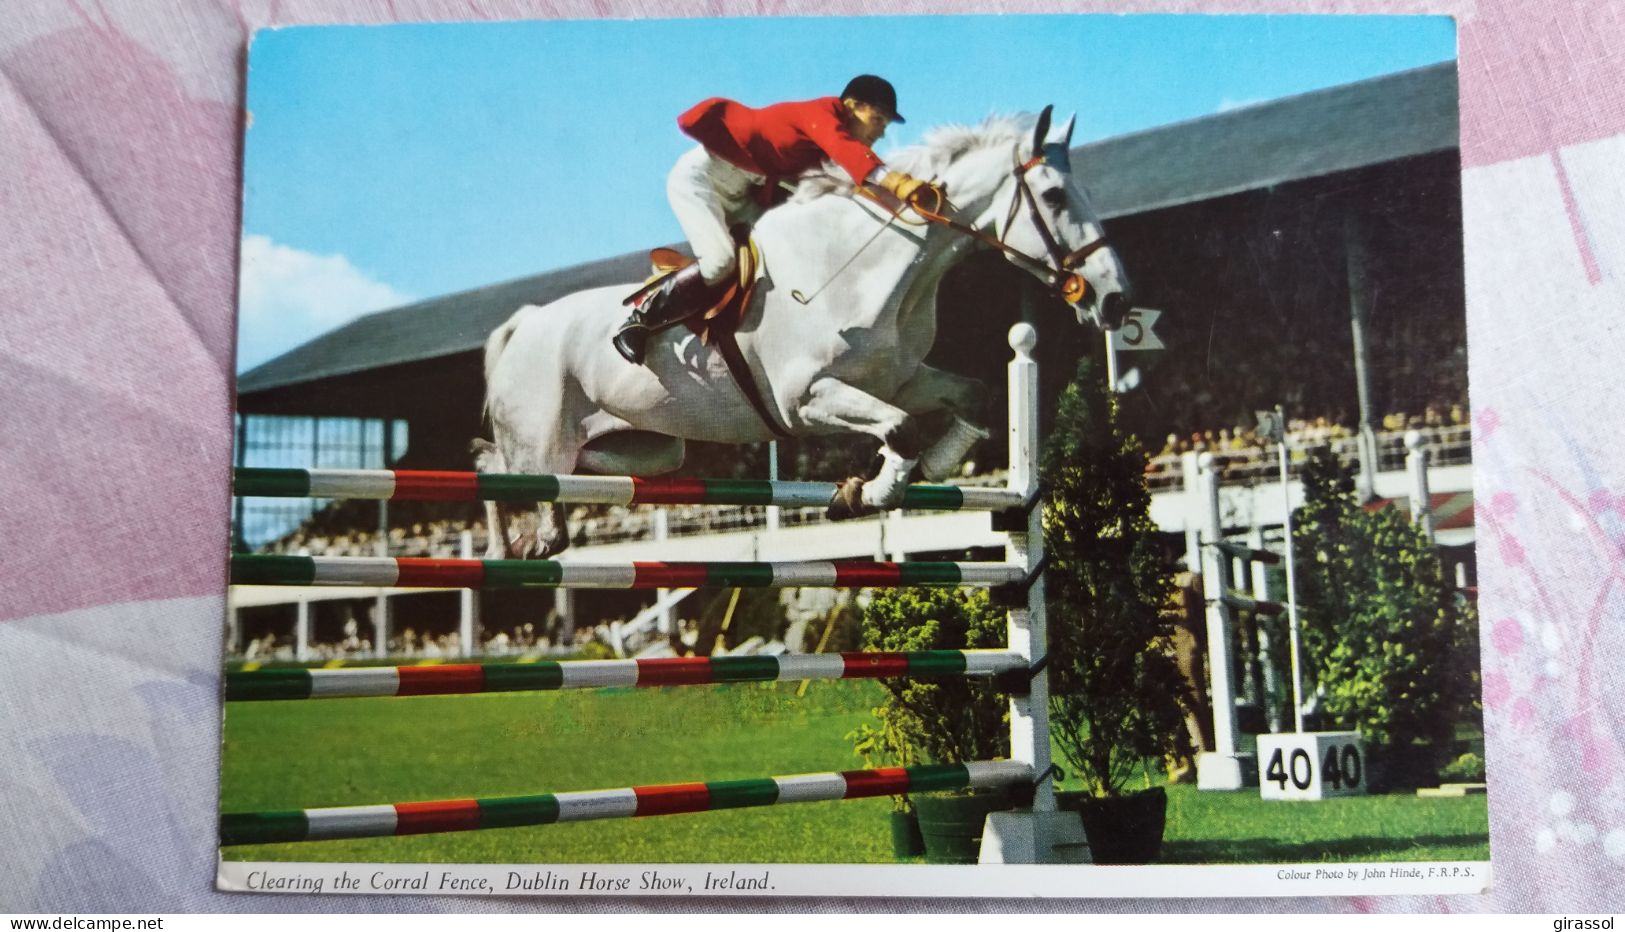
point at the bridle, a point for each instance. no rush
(1060, 277)
(1056, 274)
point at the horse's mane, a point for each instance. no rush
(928, 158)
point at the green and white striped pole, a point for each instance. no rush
(465, 678)
(465, 815)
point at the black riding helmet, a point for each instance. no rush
(876, 92)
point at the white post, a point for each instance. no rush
(381, 625)
(1029, 715)
(1111, 362)
(1225, 767)
(1246, 633)
(1291, 594)
(1195, 507)
(301, 631)
(773, 476)
(234, 631)
(668, 612)
(564, 604)
(892, 525)
(468, 603)
(1268, 675)
(1416, 462)
(380, 606)
(1035, 836)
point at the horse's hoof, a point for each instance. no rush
(848, 501)
(543, 548)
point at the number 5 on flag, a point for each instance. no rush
(1136, 332)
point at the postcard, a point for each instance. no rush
(888, 456)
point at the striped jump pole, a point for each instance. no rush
(256, 569)
(466, 815)
(450, 679)
(429, 486)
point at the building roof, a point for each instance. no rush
(440, 326)
(1381, 120)
(1384, 119)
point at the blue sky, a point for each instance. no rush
(390, 163)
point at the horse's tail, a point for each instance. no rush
(494, 345)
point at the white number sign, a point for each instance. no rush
(1311, 765)
(1136, 332)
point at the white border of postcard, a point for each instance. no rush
(989, 880)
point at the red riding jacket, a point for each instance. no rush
(782, 140)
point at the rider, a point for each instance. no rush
(743, 153)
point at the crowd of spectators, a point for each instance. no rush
(1245, 454)
(271, 646)
(518, 641)
(441, 538)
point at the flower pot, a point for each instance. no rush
(1121, 829)
(951, 826)
(905, 835)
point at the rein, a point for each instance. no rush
(1060, 277)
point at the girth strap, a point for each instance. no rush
(740, 370)
(717, 326)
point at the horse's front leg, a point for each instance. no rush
(932, 390)
(833, 403)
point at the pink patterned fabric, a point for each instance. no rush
(119, 130)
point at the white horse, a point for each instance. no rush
(844, 314)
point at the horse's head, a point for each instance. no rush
(1044, 221)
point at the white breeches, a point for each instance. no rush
(708, 194)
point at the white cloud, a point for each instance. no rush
(287, 296)
(1230, 103)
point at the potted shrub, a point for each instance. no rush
(1393, 650)
(1117, 699)
(943, 721)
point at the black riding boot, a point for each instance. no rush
(682, 295)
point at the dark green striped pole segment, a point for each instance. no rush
(453, 679)
(422, 485)
(462, 815)
(417, 572)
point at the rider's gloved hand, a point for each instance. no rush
(906, 187)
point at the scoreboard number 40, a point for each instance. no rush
(1311, 765)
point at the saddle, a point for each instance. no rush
(724, 314)
(716, 325)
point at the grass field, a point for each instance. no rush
(306, 754)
